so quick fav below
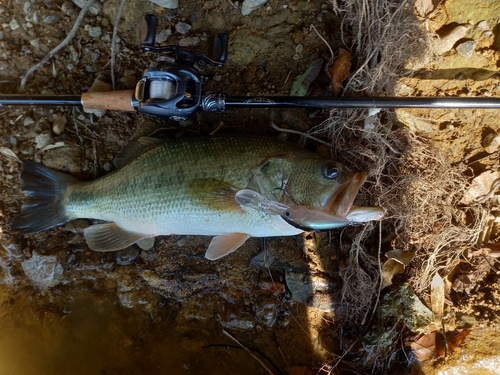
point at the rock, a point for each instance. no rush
(163, 35)
(182, 27)
(77, 226)
(491, 143)
(27, 7)
(28, 121)
(466, 48)
(66, 158)
(51, 19)
(310, 290)
(413, 123)
(13, 247)
(146, 243)
(170, 4)
(189, 42)
(447, 42)
(249, 6)
(266, 313)
(233, 317)
(43, 270)
(35, 43)
(94, 31)
(95, 9)
(13, 24)
(59, 125)
(127, 256)
(43, 139)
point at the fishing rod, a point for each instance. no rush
(172, 89)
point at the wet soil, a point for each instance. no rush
(164, 310)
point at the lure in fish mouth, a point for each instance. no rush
(197, 186)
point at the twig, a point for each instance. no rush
(274, 126)
(113, 41)
(60, 46)
(248, 351)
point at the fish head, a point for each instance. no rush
(323, 184)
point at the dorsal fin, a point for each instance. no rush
(136, 147)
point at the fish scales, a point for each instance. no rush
(187, 186)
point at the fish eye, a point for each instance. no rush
(331, 171)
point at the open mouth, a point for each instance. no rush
(341, 201)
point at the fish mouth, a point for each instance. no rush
(341, 200)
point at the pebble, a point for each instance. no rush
(447, 42)
(13, 24)
(13, 247)
(50, 19)
(189, 42)
(43, 270)
(163, 35)
(77, 226)
(170, 4)
(94, 31)
(1, 35)
(13, 141)
(35, 43)
(491, 142)
(59, 125)
(249, 6)
(127, 256)
(182, 28)
(27, 7)
(94, 9)
(466, 48)
(43, 139)
(28, 121)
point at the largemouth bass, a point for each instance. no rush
(188, 187)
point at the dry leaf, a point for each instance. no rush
(437, 298)
(302, 82)
(425, 7)
(433, 345)
(9, 153)
(339, 70)
(480, 186)
(396, 263)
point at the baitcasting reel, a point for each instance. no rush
(173, 89)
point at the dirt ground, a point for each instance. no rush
(66, 309)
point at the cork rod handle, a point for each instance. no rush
(113, 100)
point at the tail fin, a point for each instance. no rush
(45, 189)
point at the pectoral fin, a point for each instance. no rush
(225, 244)
(110, 237)
(214, 194)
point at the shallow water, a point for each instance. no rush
(101, 337)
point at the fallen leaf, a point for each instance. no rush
(480, 187)
(433, 345)
(9, 153)
(425, 7)
(396, 263)
(437, 298)
(302, 82)
(339, 70)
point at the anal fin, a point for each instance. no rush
(110, 237)
(225, 244)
